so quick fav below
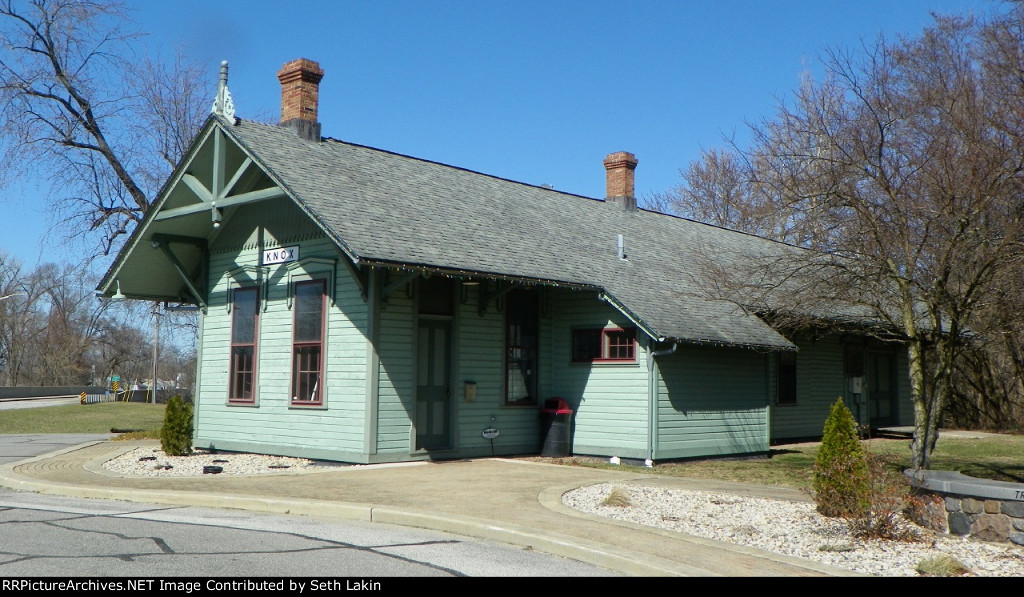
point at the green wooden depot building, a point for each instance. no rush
(364, 306)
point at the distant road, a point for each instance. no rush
(12, 403)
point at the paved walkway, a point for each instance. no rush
(510, 501)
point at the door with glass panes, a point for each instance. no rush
(433, 363)
(880, 373)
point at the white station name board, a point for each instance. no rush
(280, 255)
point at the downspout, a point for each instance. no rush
(652, 394)
(198, 382)
(372, 401)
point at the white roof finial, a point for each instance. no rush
(223, 105)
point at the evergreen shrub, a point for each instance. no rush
(842, 474)
(176, 433)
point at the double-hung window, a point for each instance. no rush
(308, 343)
(604, 345)
(522, 344)
(244, 322)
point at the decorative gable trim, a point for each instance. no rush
(248, 275)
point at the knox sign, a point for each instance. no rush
(280, 255)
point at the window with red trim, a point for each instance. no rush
(522, 347)
(603, 344)
(308, 343)
(244, 319)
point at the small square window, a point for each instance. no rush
(619, 345)
(603, 344)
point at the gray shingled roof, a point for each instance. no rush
(391, 208)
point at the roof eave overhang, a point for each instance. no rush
(107, 282)
(470, 274)
(156, 214)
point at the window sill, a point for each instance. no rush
(307, 406)
(249, 403)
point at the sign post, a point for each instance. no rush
(489, 434)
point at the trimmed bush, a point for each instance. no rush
(176, 433)
(842, 475)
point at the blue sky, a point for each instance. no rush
(534, 91)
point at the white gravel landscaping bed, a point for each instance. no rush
(153, 462)
(793, 529)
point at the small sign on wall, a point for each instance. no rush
(280, 255)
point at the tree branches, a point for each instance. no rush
(906, 163)
(78, 111)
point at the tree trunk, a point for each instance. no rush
(921, 446)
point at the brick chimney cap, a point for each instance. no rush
(619, 159)
(301, 68)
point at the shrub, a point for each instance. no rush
(842, 476)
(176, 433)
(889, 498)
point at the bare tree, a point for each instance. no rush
(76, 109)
(122, 350)
(17, 319)
(74, 320)
(54, 331)
(719, 189)
(905, 166)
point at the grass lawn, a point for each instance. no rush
(85, 418)
(792, 465)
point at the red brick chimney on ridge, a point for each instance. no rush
(300, 96)
(619, 167)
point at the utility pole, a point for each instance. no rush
(156, 347)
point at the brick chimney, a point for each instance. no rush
(619, 167)
(300, 94)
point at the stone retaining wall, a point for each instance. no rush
(978, 508)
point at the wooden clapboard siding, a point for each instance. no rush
(610, 400)
(711, 402)
(396, 388)
(820, 380)
(480, 357)
(477, 355)
(271, 424)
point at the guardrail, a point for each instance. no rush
(21, 392)
(95, 398)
